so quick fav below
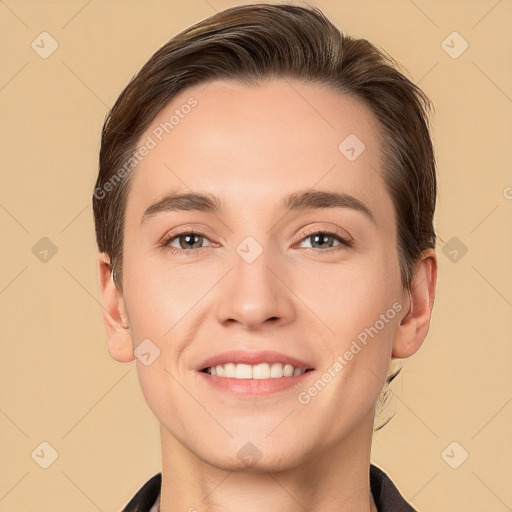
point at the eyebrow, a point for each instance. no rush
(310, 199)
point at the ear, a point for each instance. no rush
(120, 345)
(414, 326)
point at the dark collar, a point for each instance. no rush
(386, 495)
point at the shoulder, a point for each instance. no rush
(385, 494)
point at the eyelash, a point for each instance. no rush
(345, 242)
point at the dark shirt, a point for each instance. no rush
(385, 494)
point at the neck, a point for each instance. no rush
(333, 478)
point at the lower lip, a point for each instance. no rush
(255, 387)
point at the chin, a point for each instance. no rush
(250, 458)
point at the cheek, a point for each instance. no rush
(158, 295)
(355, 303)
(358, 324)
(347, 297)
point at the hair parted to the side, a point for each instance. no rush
(252, 43)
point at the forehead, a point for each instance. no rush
(253, 144)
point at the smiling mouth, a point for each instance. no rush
(257, 371)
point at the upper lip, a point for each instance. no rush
(252, 358)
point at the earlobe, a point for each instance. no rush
(114, 314)
(414, 326)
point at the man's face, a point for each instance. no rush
(260, 277)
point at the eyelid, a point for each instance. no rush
(344, 238)
(184, 230)
(344, 235)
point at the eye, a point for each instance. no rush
(191, 241)
(326, 239)
(186, 241)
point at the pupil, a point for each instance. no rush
(317, 237)
(188, 238)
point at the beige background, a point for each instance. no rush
(58, 383)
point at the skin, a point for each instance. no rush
(251, 146)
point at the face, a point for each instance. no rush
(314, 278)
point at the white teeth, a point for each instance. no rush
(288, 370)
(243, 371)
(276, 370)
(261, 371)
(257, 371)
(229, 370)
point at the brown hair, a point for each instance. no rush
(252, 42)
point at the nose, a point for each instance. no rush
(256, 293)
